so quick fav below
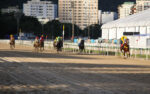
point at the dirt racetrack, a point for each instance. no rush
(23, 71)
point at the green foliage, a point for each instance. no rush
(52, 29)
(8, 24)
(55, 28)
(30, 25)
(93, 31)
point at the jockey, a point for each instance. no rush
(12, 38)
(42, 38)
(36, 39)
(123, 39)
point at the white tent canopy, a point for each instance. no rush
(139, 19)
(134, 24)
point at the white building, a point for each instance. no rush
(10, 9)
(142, 5)
(40, 9)
(80, 12)
(125, 9)
(105, 17)
(136, 27)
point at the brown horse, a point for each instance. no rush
(36, 46)
(12, 43)
(41, 45)
(55, 44)
(125, 49)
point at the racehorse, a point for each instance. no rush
(81, 46)
(125, 49)
(59, 45)
(41, 45)
(12, 43)
(36, 46)
(55, 44)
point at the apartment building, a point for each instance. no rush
(11, 9)
(107, 16)
(80, 12)
(125, 9)
(142, 5)
(40, 9)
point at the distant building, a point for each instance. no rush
(10, 9)
(80, 12)
(142, 5)
(125, 9)
(105, 17)
(43, 10)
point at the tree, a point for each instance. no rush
(30, 25)
(94, 31)
(53, 29)
(8, 24)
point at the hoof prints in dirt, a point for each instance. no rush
(53, 91)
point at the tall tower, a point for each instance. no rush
(80, 12)
(40, 9)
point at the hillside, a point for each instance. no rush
(105, 5)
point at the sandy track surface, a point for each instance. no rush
(23, 71)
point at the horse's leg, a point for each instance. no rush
(124, 53)
(10, 46)
(14, 44)
(57, 50)
(128, 53)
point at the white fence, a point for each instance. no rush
(91, 48)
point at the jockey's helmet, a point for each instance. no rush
(11, 35)
(37, 37)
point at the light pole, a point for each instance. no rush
(72, 6)
(17, 16)
(87, 12)
(42, 23)
(88, 27)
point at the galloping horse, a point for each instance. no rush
(125, 49)
(36, 46)
(41, 45)
(59, 45)
(81, 46)
(55, 44)
(12, 42)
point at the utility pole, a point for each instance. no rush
(89, 24)
(18, 16)
(72, 6)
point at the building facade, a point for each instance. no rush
(11, 9)
(105, 17)
(142, 5)
(125, 9)
(80, 12)
(40, 9)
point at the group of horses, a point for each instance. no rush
(39, 45)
